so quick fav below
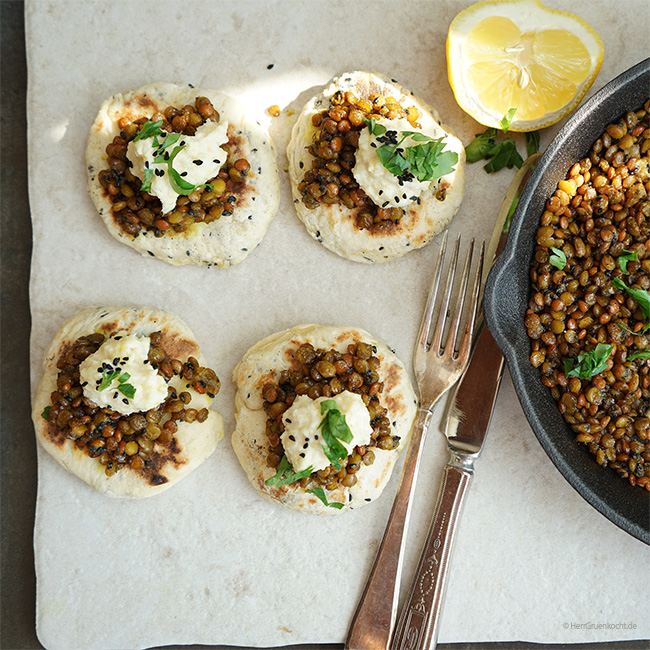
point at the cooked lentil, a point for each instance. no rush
(135, 210)
(335, 142)
(598, 216)
(323, 373)
(118, 440)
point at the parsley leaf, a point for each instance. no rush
(148, 130)
(532, 142)
(557, 258)
(506, 121)
(639, 354)
(285, 474)
(146, 181)
(334, 428)
(641, 296)
(502, 155)
(589, 363)
(128, 390)
(178, 184)
(427, 160)
(625, 257)
(481, 145)
(320, 493)
(46, 413)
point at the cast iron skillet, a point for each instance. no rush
(507, 295)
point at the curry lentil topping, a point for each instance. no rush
(589, 309)
(135, 210)
(330, 180)
(324, 373)
(116, 440)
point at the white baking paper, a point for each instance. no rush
(209, 561)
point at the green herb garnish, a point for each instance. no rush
(128, 390)
(480, 147)
(46, 413)
(639, 354)
(148, 130)
(334, 429)
(557, 258)
(320, 493)
(506, 121)
(502, 155)
(641, 296)
(285, 474)
(426, 161)
(532, 142)
(146, 182)
(589, 363)
(499, 154)
(178, 184)
(625, 257)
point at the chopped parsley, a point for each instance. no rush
(639, 354)
(425, 161)
(641, 296)
(46, 413)
(128, 390)
(589, 363)
(320, 493)
(506, 120)
(334, 429)
(557, 258)
(285, 474)
(625, 257)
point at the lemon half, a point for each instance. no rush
(504, 54)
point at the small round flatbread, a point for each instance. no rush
(229, 239)
(334, 225)
(263, 363)
(192, 443)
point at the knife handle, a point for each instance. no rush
(373, 621)
(417, 628)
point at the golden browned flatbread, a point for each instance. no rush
(263, 363)
(334, 225)
(169, 461)
(229, 239)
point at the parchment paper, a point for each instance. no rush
(209, 561)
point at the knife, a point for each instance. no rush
(468, 420)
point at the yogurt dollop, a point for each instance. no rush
(302, 437)
(119, 376)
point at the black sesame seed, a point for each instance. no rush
(302, 455)
(288, 420)
(292, 438)
(197, 162)
(183, 174)
(126, 401)
(305, 445)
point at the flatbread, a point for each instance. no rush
(194, 442)
(229, 239)
(334, 225)
(263, 362)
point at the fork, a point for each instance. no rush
(438, 363)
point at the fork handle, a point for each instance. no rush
(376, 612)
(417, 628)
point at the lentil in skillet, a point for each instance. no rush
(135, 210)
(118, 440)
(324, 373)
(330, 180)
(589, 310)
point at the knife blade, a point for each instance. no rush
(468, 419)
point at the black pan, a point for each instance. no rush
(506, 299)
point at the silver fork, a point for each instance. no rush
(438, 363)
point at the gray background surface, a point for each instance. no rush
(18, 460)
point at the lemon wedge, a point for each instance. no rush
(504, 54)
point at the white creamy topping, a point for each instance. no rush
(199, 160)
(302, 438)
(385, 189)
(123, 355)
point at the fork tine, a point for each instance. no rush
(460, 301)
(436, 342)
(466, 342)
(427, 316)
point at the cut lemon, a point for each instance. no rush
(504, 54)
